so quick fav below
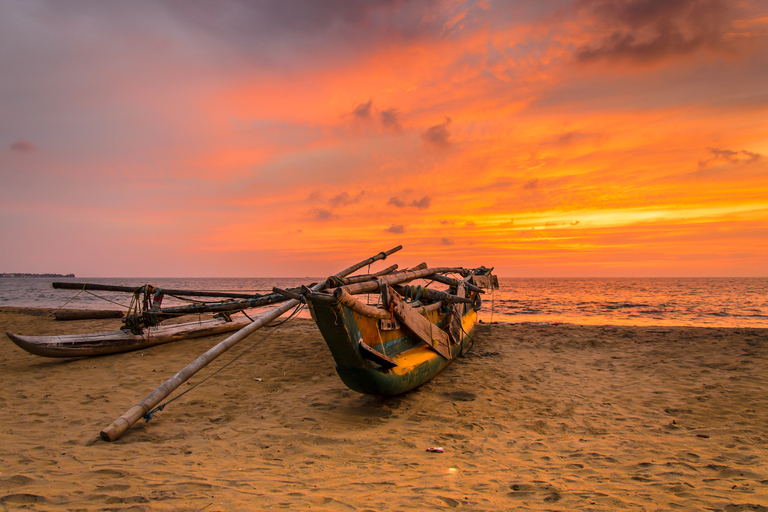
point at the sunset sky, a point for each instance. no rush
(293, 138)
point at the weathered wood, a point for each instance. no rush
(364, 277)
(396, 278)
(118, 427)
(457, 313)
(86, 314)
(286, 293)
(372, 259)
(359, 307)
(450, 281)
(166, 291)
(343, 330)
(231, 307)
(114, 342)
(422, 328)
(488, 281)
(364, 309)
(425, 310)
(430, 295)
(377, 357)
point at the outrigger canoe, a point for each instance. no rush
(141, 326)
(409, 337)
(124, 340)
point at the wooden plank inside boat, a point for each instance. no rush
(457, 314)
(377, 357)
(433, 336)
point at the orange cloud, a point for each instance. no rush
(599, 138)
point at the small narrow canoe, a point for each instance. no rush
(102, 343)
(388, 351)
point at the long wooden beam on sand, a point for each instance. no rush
(118, 427)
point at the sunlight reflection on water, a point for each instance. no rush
(714, 302)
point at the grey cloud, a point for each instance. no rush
(422, 203)
(322, 214)
(395, 228)
(345, 199)
(390, 119)
(531, 185)
(438, 136)
(569, 138)
(363, 111)
(23, 146)
(288, 30)
(729, 156)
(650, 30)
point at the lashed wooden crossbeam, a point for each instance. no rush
(454, 282)
(396, 278)
(430, 295)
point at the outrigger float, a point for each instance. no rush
(141, 326)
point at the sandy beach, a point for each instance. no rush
(535, 417)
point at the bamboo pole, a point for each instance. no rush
(396, 278)
(133, 289)
(86, 314)
(118, 427)
(454, 282)
(430, 295)
(255, 302)
(367, 277)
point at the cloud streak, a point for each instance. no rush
(420, 204)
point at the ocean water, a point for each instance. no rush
(706, 302)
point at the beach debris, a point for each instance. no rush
(435, 449)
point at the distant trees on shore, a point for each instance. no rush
(24, 274)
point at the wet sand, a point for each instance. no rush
(535, 417)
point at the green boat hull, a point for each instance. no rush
(343, 330)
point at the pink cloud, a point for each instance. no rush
(23, 146)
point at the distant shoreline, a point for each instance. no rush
(24, 274)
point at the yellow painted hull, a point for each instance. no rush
(344, 329)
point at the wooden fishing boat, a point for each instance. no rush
(141, 326)
(409, 337)
(124, 340)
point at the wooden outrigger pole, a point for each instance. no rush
(148, 312)
(135, 289)
(118, 427)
